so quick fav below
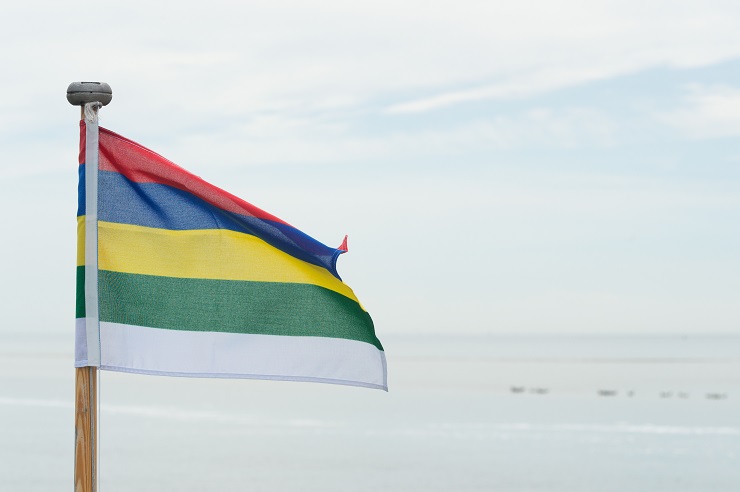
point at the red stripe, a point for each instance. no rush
(141, 165)
(83, 139)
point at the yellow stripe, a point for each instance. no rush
(207, 253)
(81, 240)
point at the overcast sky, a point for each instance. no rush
(500, 167)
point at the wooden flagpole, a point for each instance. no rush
(86, 404)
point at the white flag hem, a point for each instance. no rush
(263, 377)
(145, 350)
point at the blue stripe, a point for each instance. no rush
(165, 207)
(81, 191)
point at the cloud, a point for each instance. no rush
(604, 44)
(708, 112)
(308, 139)
(516, 88)
(228, 57)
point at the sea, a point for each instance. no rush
(556, 413)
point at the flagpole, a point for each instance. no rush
(90, 96)
(86, 405)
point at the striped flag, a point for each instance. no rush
(178, 277)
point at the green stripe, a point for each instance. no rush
(232, 306)
(80, 308)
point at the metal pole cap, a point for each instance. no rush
(80, 93)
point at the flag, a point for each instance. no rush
(178, 277)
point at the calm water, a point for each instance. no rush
(463, 414)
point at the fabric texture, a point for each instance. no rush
(194, 281)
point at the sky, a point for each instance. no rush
(500, 167)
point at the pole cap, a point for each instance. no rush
(80, 93)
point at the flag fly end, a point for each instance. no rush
(343, 247)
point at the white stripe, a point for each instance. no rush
(138, 349)
(92, 327)
(81, 342)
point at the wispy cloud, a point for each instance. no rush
(517, 87)
(275, 139)
(708, 112)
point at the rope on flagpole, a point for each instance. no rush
(91, 111)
